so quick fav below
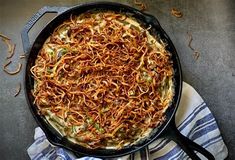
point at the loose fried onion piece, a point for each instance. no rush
(177, 13)
(10, 46)
(12, 51)
(22, 56)
(196, 54)
(8, 63)
(18, 90)
(104, 79)
(190, 41)
(140, 4)
(12, 72)
(4, 37)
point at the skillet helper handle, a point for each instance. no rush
(186, 144)
(34, 19)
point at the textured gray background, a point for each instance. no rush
(212, 23)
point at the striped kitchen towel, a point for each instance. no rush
(193, 119)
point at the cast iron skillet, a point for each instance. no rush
(167, 129)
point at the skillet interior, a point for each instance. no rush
(156, 30)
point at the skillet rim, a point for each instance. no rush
(54, 137)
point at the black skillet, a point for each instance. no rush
(167, 129)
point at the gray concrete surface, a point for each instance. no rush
(213, 74)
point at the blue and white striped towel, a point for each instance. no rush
(193, 119)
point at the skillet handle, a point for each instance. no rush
(33, 20)
(186, 144)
